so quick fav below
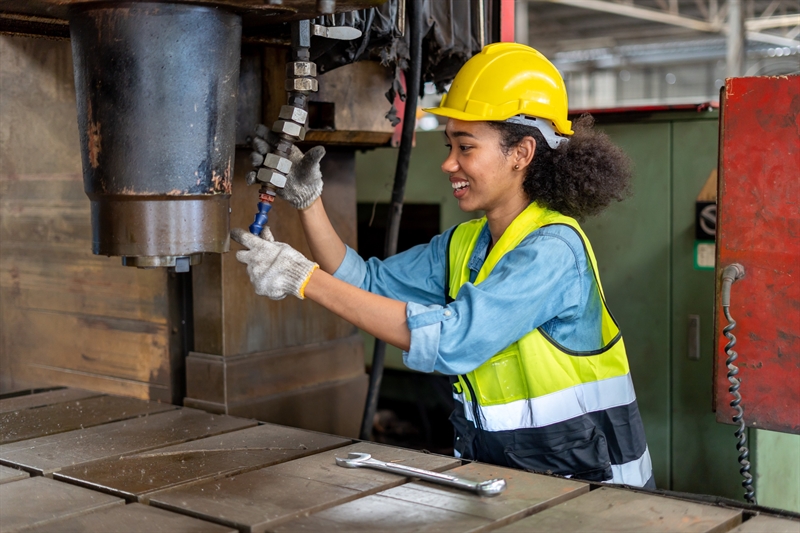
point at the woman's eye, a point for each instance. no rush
(464, 148)
(449, 146)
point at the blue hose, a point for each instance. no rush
(261, 218)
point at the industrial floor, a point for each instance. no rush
(81, 461)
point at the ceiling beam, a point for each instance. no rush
(780, 21)
(643, 13)
(752, 25)
(769, 38)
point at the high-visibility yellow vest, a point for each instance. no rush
(535, 384)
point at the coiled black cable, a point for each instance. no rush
(729, 275)
(738, 418)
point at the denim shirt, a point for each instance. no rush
(546, 281)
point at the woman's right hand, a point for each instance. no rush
(304, 180)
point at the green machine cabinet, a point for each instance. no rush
(647, 251)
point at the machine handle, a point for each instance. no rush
(693, 338)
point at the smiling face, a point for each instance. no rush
(482, 176)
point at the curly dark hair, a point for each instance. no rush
(578, 179)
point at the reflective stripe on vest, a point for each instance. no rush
(635, 473)
(556, 407)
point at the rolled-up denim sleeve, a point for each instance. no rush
(425, 323)
(353, 269)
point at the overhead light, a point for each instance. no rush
(428, 123)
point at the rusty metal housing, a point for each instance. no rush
(156, 90)
(156, 86)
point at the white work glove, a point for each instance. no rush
(275, 268)
(304, 181)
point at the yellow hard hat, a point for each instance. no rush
(506, 80)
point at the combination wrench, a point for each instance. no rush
(493, 487)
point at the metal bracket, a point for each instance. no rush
(340, 33)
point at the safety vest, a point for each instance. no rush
(583, 403)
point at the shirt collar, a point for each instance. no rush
(479, 253)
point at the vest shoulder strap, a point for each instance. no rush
(447, 298)
(460, 246)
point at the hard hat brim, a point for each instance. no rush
(564, 127)
(456, 114)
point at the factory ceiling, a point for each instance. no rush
(591, 34)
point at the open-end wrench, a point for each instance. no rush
(493, 487)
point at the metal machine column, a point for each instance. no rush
(156, 91)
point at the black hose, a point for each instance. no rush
(730, 274)
(413, 82)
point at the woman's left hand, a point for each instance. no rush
(275, 268)
(304, 180)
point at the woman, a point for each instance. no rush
(510, 303)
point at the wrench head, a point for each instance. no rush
(493, 487)
(354, 460)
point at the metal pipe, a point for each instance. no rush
(736, 40)
(521, 23)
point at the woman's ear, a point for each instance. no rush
(524, 152)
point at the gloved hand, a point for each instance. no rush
(275, 268)
(304, 181)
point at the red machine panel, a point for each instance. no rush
(758, 226)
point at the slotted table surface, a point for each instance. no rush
(45, 455)
(136, 475)
(768, 524)
(608, 509)
(45, 398)
(294, 488)
(74, 460)
(38, 421)
(38, 500)
(8, 475)
(133, 518)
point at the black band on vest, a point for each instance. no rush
(447, 298)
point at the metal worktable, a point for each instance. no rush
(80, 461)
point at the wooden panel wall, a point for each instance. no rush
(68, 317)
(357, 94)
